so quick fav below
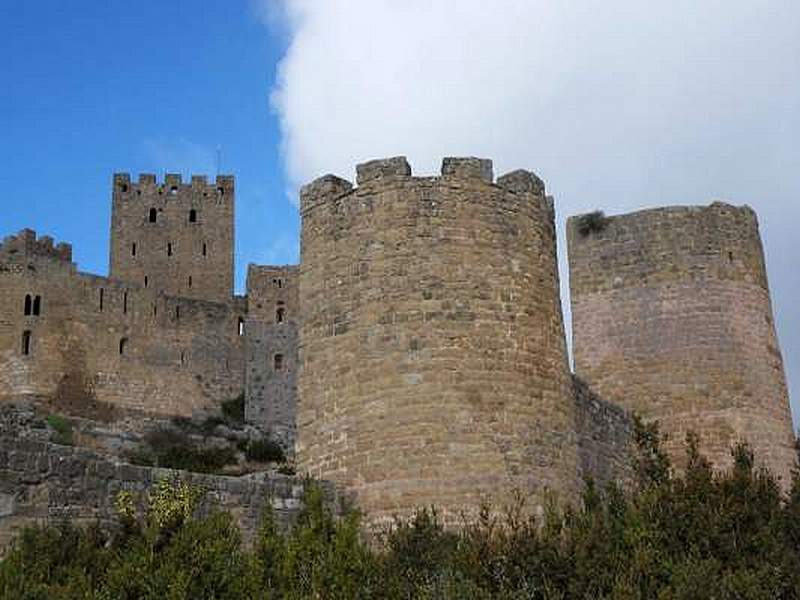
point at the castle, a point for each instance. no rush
(417, 355)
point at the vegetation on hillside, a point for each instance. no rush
(593, 222)
(691, 536)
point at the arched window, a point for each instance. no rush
(153, 215)
(193, 216)
(280, 313)
(28, 305)
(240, 326)
(26, 343)
(145, 281)
(133, 247)
(277, 362)
(37, 305)
(123, 346)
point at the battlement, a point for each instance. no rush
(172, 185)
(388, 171)
(25, 244)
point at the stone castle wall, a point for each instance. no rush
(418, 351)
(164, 334)
(42, 483)
(174, 237)
(672, 318)
(100, 340)
(605, 438)
(271, 341)
(433, 364)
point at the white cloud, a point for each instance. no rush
(617, 105)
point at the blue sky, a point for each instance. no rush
(93, 88)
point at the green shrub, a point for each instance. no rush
(697, 534)
(593, 222)
(210, 424)
(62, 429)
(233, 410)
(287, 469)
(264, 450)
(172, 450)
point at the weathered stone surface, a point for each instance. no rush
(82, 485)
(521, 181)
(605, 437)
(672, 318)
(385, 167)
(173, 236)
(468, 167)
(433, 365)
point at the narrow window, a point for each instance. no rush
(177, 313)
(169, 249)
(190, 281)
(183, 357)
(152, 215)
(133, 249)
(277, 362)
(221, 191)
(155, 309)
(28, 305)
(102, 293)
(280, 283)
(26, 343)
(193, 216)
(279, 313)
(37, 305)
(145, 281)
(123, 345)
(240, 328)
(204, 249)
(124, 187)
(125, 303)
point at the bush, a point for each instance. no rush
(287, 469)
(234, 409)
(264, 450)
(699, 534)
(593, 222)
(172, 450)
(62, 430)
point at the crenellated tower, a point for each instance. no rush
(672, 318)
(173, 236)
(433, 363)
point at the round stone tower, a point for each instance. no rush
(672, 318)
(433, 364)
